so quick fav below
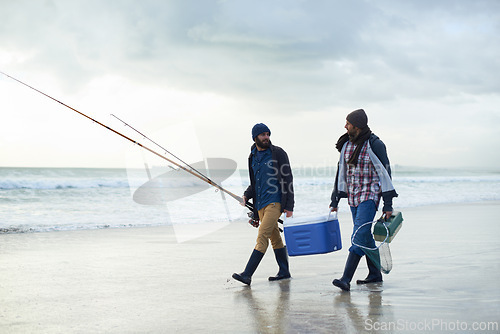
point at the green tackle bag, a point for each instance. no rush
(384, 232)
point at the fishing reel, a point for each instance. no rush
(255, 223)
(252, 221)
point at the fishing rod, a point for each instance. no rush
(167, 151)
(203, 178)
(163, 148)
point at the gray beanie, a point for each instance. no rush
(358, 118)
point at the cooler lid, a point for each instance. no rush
(294, 221)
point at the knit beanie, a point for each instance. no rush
(358, 118)
(258, 129)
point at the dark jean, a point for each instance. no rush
(363, 213)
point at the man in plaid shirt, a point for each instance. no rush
(363, 176)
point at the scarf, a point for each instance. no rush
(363, 136)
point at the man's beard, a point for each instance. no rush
(353, 135)
(262, 144)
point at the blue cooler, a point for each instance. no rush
(312, 235)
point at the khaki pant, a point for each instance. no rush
(268, 228)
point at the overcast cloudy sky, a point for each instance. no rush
(426, 72)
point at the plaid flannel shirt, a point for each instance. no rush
(363, 183)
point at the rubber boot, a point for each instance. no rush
(282, 260)
(374, 274)
(246, 276)
(350, 267)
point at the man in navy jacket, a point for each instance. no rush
(271, 188)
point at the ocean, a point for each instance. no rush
(54, 199)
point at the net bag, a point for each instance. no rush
(380, 255)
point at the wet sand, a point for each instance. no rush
(445, 275)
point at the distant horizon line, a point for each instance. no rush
(394, 167)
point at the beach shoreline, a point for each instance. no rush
(142, 280)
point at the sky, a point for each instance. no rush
(426, 73)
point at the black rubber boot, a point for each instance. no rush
(282, 259)
(374, 274)
(246, 276)
(350, 267)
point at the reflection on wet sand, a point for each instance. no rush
(268, 317)
(285, 311)
(366, 310)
